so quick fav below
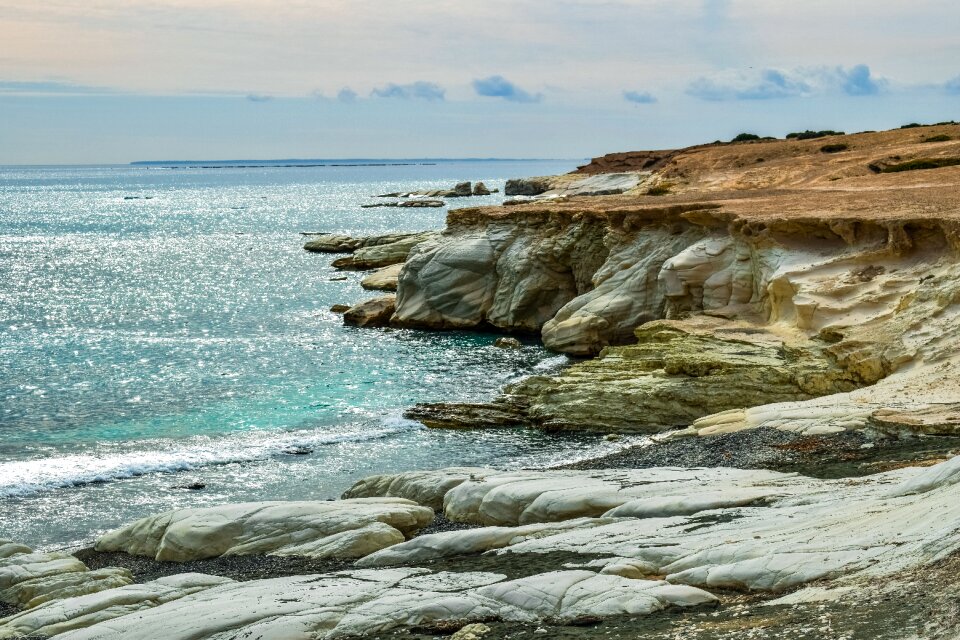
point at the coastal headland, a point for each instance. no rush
(780, 317)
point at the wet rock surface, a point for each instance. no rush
(371, 313)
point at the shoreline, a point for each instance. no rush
(786, 332)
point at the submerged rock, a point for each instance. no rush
(507, 343)
(343, 529)
(371, 313)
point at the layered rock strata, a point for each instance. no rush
(849, 276)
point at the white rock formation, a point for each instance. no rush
(61, 616)
(354, 603)
(28, 578)
(423, 487)
(343, 529)
(803, 530)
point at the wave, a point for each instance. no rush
(26, 477)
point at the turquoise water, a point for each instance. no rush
(160, 326)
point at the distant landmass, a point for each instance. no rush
(322, 162)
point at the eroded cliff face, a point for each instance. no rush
(512, 274)
(774, 298)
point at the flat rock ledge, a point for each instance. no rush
(384, 279)
(384, 254)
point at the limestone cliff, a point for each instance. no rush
(831, 274)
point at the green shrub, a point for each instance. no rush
(940, 138)
(921, 163)
(810, 135)
(834, 148)
(745, 137)
(912, 125)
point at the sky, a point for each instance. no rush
(113, 81)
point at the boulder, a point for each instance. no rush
(384, 279)
(507, 343)
(371, 313)
(427, 488)
(340, 308)
(341, 529)
(463, 189)
(527, 186)
(480, 189)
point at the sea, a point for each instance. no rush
(161, 327)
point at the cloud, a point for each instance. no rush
(769, 84)
(639, 97)
(257, 97)
(858, 81)
(952, 87)
(500, 87)
(414, 91)
(347, 95)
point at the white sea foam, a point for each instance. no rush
(552, 364)
(25, 477)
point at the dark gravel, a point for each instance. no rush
(841, 455)
(240, 568)
(7, 609)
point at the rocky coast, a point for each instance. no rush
(779, 318)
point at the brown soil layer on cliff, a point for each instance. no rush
(778, 184)
(840, 455)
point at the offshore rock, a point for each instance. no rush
(412, 204)
(371, 313)
(341, 529)
(375, 256)
(339, 243)
(481, 189)
(465, 415)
